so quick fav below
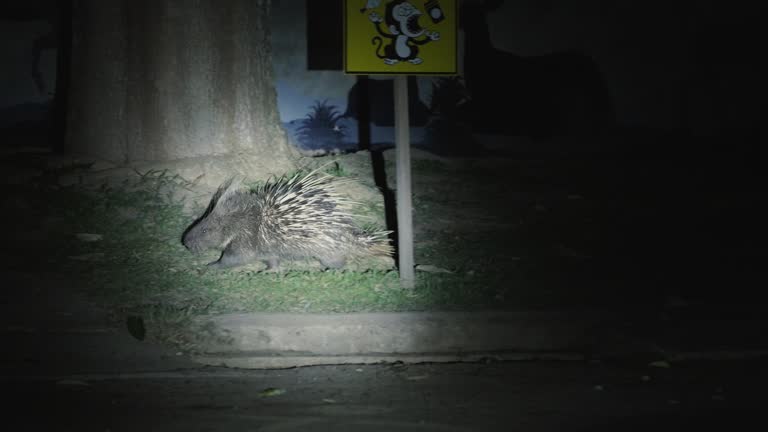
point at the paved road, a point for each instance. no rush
(524, 396)
(64, 368)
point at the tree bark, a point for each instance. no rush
(159, 80)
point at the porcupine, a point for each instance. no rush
(289, 218)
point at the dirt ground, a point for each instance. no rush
(609, 228)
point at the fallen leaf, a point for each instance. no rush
(88, 237)
(417, 377)
(136, 327)
(431, 269)
(269, 392)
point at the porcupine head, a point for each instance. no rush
(220, 222)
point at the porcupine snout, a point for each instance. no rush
(188, 241)
(198, 237)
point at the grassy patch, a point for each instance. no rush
(123, 244)
(524, 244)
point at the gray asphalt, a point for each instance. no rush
(529, 396)
(65, 366)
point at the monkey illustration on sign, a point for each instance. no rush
(402, 29)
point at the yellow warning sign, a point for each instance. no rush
(408, 37)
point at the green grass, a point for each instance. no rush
(140, 266)
(518, 235)
(497, 256)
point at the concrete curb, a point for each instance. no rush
(288, 360)
(282, 340)
(270, 340)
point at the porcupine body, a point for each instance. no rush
(290, 218)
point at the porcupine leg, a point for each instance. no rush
(273, 264)
(230, 258)
(334, 262)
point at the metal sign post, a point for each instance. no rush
(403, 176)
(401, 38)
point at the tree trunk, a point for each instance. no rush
(159, 80)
